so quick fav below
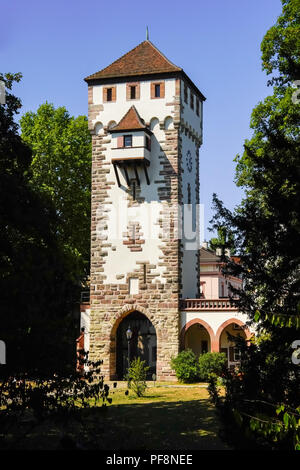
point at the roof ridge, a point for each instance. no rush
(142, 122)
(136, 115)
(163, 55)
(122, 57)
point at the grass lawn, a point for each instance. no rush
(167, 417)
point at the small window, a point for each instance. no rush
(189, 194)
(197, 107)
(133, 286)
(127, 140)
(147, 142)
(192, 101)
(236, 354)
(157, 90)
(185, 93)
(109, 94)
(133, 92)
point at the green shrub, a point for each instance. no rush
(186, 366)
(136, 376)
(212, 363)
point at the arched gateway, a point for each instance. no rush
(143, 343)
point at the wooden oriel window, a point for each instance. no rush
(133, 91)
(127, 140)
(157, 90)
(109, 94)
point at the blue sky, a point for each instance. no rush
(56, 44)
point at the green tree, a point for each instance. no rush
(36, 285)
(224, 240)
(61, 168)
(137, 375)
(281, 45)
(266, 230)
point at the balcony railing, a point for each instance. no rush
(207, 304)
(187, 304)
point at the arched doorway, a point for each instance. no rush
(228, 346)
(197, 335)
(142, 343)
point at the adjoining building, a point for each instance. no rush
(147, 271)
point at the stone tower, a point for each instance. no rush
(145, 117)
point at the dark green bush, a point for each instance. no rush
(186, 366)
(212, 363)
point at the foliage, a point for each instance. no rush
(61, 169)
(186, 366)
(214, 389)
(37, 289)
(211, 363)
(60, 397)
(266, 230)
(281, 45)
(137, 374)
(224, 240)
(54, 394)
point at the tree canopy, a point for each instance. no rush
(266, 234)
(61, 169)
(37, 288)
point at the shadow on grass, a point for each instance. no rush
(161, 425)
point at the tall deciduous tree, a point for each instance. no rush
(61, 168)
(266, 225)
(36, 285)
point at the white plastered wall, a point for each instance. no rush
(120, 260)
(213, 319)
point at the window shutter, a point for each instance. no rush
(127, 91)
(114, 93)
(152, 90)
(104, 95)
(120, 141)
(137, 91)
(162, 89)
(231, 355)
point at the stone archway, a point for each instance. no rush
(198, 336)
(234, 327)
(143, 343)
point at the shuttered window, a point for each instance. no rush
(157, 90)
(109, 94)
(133, 91)
(120, 141)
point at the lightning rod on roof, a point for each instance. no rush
(147, 33)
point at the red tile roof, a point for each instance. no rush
(144, 59)
(130, 121)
